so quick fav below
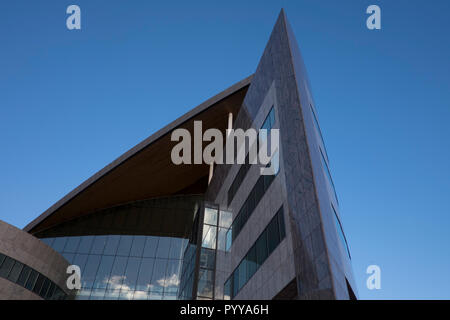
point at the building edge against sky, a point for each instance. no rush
(144, 228)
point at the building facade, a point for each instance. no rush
(146, 228)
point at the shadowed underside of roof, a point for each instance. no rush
(146, 171)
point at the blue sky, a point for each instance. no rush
(73, 101)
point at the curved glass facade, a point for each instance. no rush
(124, 266)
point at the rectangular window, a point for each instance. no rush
(245, 167)
(269, 239)
(15, 271)
(5, 268)
(227, 290)
(273, 235)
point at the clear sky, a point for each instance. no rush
(73, 101)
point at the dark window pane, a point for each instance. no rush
(273, 235)
(85, 244)
(124, 245)
(116, 277)
(104, 270)
(45, 287)
(15, 271)
(5, 268)
(111, 245)
(99, 244)
(2, 258)
(145, 274)
(24, 276)
(39, 282)
(59, 243)
(242, 269)
(137, 248)
(131, 274)
(261, 248)
(72, 244)
(235, 283)
(163, 247)
(31, 280)
(281, 224)
(151, 244)
(251, 262)
(50, 291)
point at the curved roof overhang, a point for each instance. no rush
(146, 170)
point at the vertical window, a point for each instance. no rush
(261, 248)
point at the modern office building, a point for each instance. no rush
(146, 228)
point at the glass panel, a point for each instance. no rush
(171, 281)
(159, 271)
(207, 258)
(225, 219)
(222, 239)
(45, 287)
(90, 271)
(50, 291)
(116, 277)
(252, 265)
(210, 216)
(140, 295)
(209, 237)
(111, 245)
(6, 267)
(131, 274)
(72, 244)
(261, 248)
(229, 240)
(59, 243)
(15, 271)
(69, 256)
(104, 270)
(227, 290)
(83, 294)
(39, 282)
(24, 276)
(99, 244)
(235, 283)
(31, 280)
(48, 241)
(137, 248)
(150, 247)
(145, 274)
(273, 237)
(112, 294)
(176, 245)
(97, 294)
(80, 260)
(124, 246)
(205, 283)
(2, 258)
(242, 269)
(85, 244)
(163, 247)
